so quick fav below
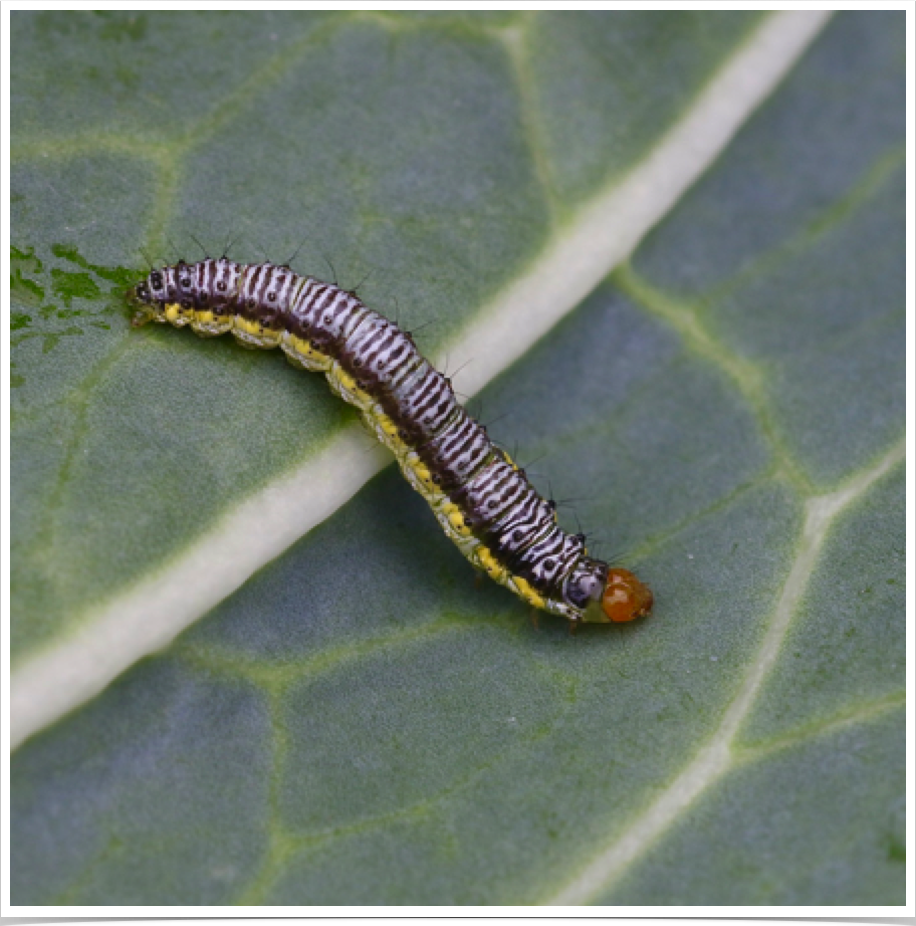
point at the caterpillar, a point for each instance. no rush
(481, 498)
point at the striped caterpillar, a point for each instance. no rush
(482, 500)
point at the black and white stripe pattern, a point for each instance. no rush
(482, 500)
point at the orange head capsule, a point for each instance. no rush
(615, 596)
(625, 597)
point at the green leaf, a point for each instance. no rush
(358, 723)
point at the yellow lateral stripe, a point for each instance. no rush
(303, 347)
(523, 588)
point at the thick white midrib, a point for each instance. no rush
(50, 683)
(714, 760)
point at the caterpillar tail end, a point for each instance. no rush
(137, 299)
(625, 598)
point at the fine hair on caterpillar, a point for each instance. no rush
(481, 498)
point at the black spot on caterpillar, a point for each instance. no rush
(482, 500)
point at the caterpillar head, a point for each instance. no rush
(625, 597)
(609, 594)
